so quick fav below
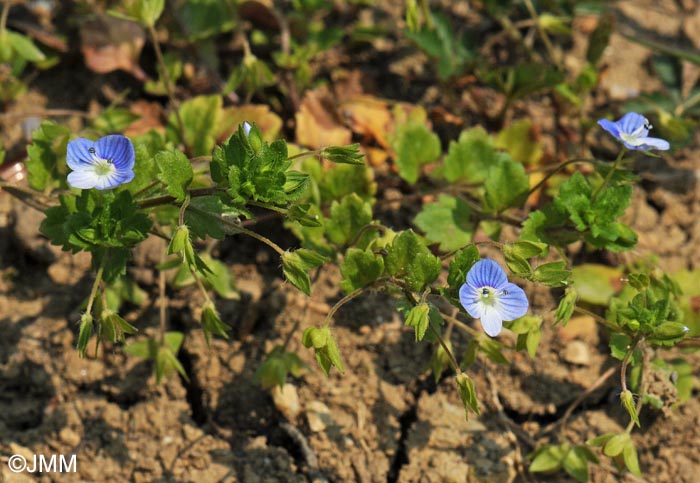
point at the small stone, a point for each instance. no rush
(318, 416)
(287, 401)
(577, 352)
(70, 437)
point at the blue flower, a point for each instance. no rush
(246, 128)
(102, 164)
(489, 296)
(632, 130)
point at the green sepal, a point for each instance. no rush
(418, 318)
(566, 306)
(467, 393)
(349, 154)
(211, 323)
(628, 403)
(86, 327)
(325, 348)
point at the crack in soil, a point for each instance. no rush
(193, 389)
(406, 421)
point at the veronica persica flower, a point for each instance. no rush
(489, 296)
(632, 130)
(102, 164)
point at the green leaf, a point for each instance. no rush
(599, 441)
(410, 259)
(46, 165)
(518, 264)
(360, 268)
(415, 146)
(277, 365)
(175, 173)
(149, 11)
(470, 158)
(506, 185)
(145, 170)
(552, 274)
(460, 266)
(616, 444)
(417, 318)
(347, 219)
(254, 169)
(205, 216)
(525, 249)
(24, 46)
(576, 463)
(203, 19)
(219, 278)
(296, 185)
(629, 456)
(595, 283)
(619, 345)
(547, 458)
(447, 221)
(467, 393)
(199, 116)
(517, 140)
(113, 119)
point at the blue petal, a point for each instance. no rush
(630, 122)
(653, 143)
(491, 321)
(469, 298)
(487, 273)
(78, 155)
(246, 128)
(611, 127)
(117, 148)
(512, 302)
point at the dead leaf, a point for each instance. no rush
(110, 43)
(317, 124)
(150, 117)
(369, 117)
(267, 121)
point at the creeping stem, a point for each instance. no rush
(626, 360)
(609, 176)
(237, 227)
(96, 284)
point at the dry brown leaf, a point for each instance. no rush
(150, 117)
(317, 124)
(267, 121)
(368, 116)
(110, 43)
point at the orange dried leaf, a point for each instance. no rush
(110, 43)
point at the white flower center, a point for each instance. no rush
(103, 167)
(633, 138)
(489, 295)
